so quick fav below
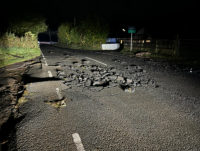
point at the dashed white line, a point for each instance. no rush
(96, 61)
(77, 141)
(50, 74)
(58, 93)
(44, 58)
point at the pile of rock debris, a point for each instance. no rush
(96, 77)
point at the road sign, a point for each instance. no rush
(131, 29)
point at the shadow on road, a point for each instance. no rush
(28, 79)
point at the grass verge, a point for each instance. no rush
(13, 55)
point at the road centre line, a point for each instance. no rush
(58, 93)
(77, 141)
(96, 61)
(50, 74)
(44, 58)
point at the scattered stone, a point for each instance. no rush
(113, 77)
(88, 83)
(129, 80)
(68, 79)
(119, 78)
(61, 73)
(112, 69)
(73, 76)
(98, 83)
(77, 64)
(130, 67)
(106, 74)
(86, 62)
(95, 71)
(123, 62)
(138, 84)
(96, 78)
(85, 67)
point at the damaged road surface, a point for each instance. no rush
(93, 100)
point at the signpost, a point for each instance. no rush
(131, 29)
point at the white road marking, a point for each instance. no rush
(42, 54)
(58, 93)
(50, 74)
(77, 141)
(44, 58)
(96, 61)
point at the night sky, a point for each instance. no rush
(156, 16)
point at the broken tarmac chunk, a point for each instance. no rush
(113, 77)
(130, 67)
(105, 74)
(97, 83)
(61, 73)
(129, 80)
(86, 62)
(77, 64)
(88, 83)
(95, 71)
(119, 78)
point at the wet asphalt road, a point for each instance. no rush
(159, 116)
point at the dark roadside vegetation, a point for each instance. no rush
(19, 42)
